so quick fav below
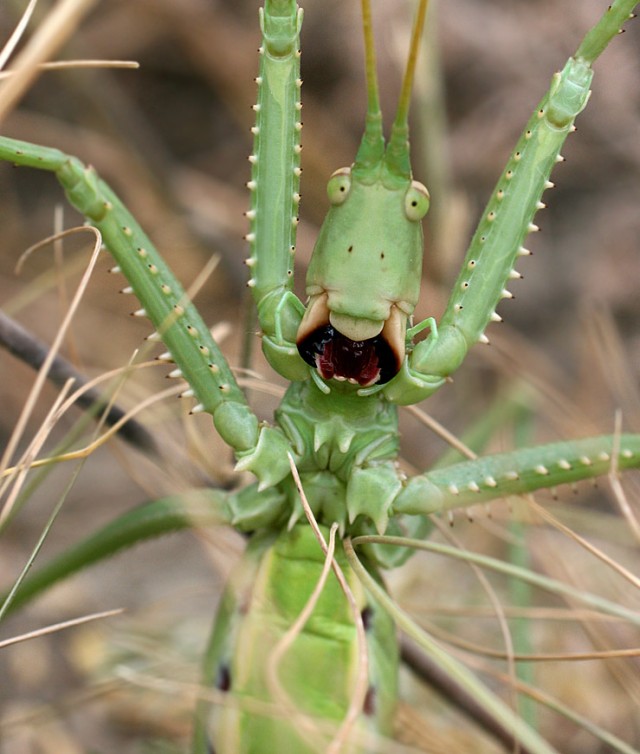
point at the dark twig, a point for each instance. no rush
(447, 688)
(26, 347)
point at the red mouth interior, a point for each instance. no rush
(362, 362)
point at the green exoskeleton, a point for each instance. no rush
(352, 354)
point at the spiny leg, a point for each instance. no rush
(508, 218)
(275, 186)
(262, 450)
(517, 472)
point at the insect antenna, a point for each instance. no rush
(397, 155)
(371, 150)
(371, 153)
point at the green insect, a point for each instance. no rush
(352, 354)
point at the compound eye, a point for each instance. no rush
(416, 201)
(339, 185)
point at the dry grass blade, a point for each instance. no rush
(59, 25)
(362, 676)
(616, 485)
(61, 65)
(15, 37)
(37, 387)
(60, 627)
(279, 693)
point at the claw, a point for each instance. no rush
(371, 492)
(268, 460)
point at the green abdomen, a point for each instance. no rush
(299, 707)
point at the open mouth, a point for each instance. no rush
(360, 362)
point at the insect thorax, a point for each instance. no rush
(340, 431)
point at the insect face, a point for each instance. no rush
(364, 278)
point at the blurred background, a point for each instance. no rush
(172, 138)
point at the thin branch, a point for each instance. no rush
(25, 346)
